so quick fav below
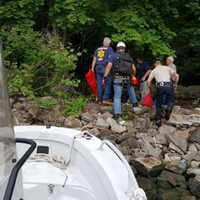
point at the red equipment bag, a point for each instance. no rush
(135, 81)
(147, 100)
(91, 81)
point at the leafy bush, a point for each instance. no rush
(75, 106)
(20, 81)
(128, 25)
(48, 103)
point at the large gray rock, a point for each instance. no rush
(148, 166)
(72, 122)
(101, 123)
(177, 166)
(170, 157)
(150, 150)
(193, 171)
(142, 124)
(194, 185)
(181, 120)
(178, 139)
(163, 132)
(195, 164)
(195, 136)
(173, 148)
(190, 156)
(115, 127)
(173, 179)
(87, 117)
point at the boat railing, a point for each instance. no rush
(14, 173)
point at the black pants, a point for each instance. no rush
(164, 100)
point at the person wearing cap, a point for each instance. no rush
(100, 60)
(122, 67)
(164, 90)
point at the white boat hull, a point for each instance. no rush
(77, 167)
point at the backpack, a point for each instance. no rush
(123, 65)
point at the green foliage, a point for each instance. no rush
(74, 106)
(71, 15)
(42, 40)
(53, 67)
(20, 81)
(22, 43)
(48, 103)
(127, 25)
(18, 12)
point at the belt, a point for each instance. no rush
(121, 77)
(164, 84)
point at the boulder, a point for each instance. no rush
(148, 185)
(150, 150)
(190, 156)
(87, 117)
(175, 180)
(72, 122)
(174, 148)
(163, 132)
(178, 140)
(101, 123)
(195, 164)
(169, 157)
(194, 186)
(107, 115)
(115, 127)
(192, 148)
(95, 132)
(142, 124)
(179, 120)
(148, 166)
(193, 171)
(176, 166)
(138, 110)
(197, 110)
(195, 136)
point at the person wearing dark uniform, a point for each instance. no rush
(164, 90)
(123, 68)
(101, 57)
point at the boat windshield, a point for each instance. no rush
(7, 142)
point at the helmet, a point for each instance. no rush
(121, 44)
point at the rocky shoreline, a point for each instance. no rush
(166, 161)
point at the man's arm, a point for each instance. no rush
(133, 69)
(146, 75)
(93, 63)
(151, 77)
(107, 71)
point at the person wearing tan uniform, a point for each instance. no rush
(164, 90)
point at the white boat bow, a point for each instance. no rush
(70, 165)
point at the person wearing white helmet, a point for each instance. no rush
(122, 67)
(100, 60)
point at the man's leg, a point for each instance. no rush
(117, 107)
(107, 90)
(99, 79)
(159, 98)
(169, 102)
(132, 95)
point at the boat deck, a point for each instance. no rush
(50, 182)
